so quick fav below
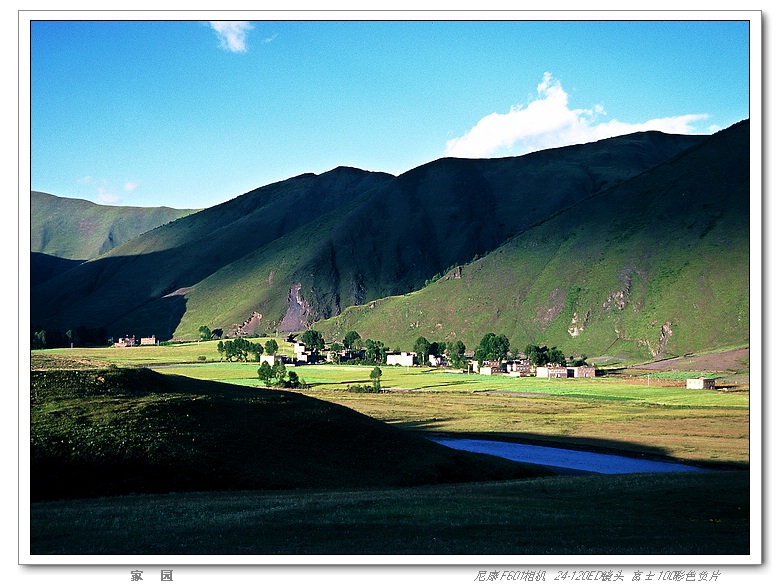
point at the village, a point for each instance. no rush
(520, 366)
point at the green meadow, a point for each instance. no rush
(652, 413)
(652, 416)
(611, 413)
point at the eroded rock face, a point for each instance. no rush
(248, 327)
(578, 322)
(553, 307)
(658, 349)
(666, 333)
(295, 319)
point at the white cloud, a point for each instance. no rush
(231, 34)
(131, 186)
(547, 122)
(103, 192)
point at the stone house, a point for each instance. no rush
(520, 367)
(582, 372)
(490, 367)
(700, 383)
(128, 341)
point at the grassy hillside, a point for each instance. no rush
(97, 432)
(160, 266)
(449, 211)
(657, 266)
(636, 245)
(76, 229)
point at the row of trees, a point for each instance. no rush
(491, 347)
(241, 349)
(541, 356)
(454, 350)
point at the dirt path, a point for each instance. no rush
(733, 360)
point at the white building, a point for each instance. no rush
(404, 358)
(552, 372)
(700, 383)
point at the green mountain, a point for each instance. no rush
(656, 266)
(145, 283)
(64, 231)
(616, 231)
(76, 229)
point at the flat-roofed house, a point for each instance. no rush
(583, 372)
(552, 372)
(404, 358)
(700, 383)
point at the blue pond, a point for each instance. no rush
(584, 461)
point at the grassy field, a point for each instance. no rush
(660, 419)
(700, 513)
(672, 514)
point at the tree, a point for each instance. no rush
(352, 340)
(556, 356)
(271, 347)
(422, 348)
(294, 381)
(376, 377)
(492, 347)
(39, 339)
(205, 333)
(257, 350)
(437, 348)
(265, 372)
(541, 356)
(216, 333)
(221, 348)
(335, 348)
(279, 371)
(375, 351)
(313, 340)
(456, 350)
(536, 355)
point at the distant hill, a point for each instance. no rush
(65, 232)
(76, 229)
(117, 431)
(143, 283)
(620, 232)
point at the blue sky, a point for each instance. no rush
(192, 113)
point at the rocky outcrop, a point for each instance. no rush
(295, 319)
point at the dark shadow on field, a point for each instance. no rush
(340, 383)
(447, 384)
(592, 444)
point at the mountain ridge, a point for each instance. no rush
(319, 244)
(634, 276)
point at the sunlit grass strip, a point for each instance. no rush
(327, 377)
